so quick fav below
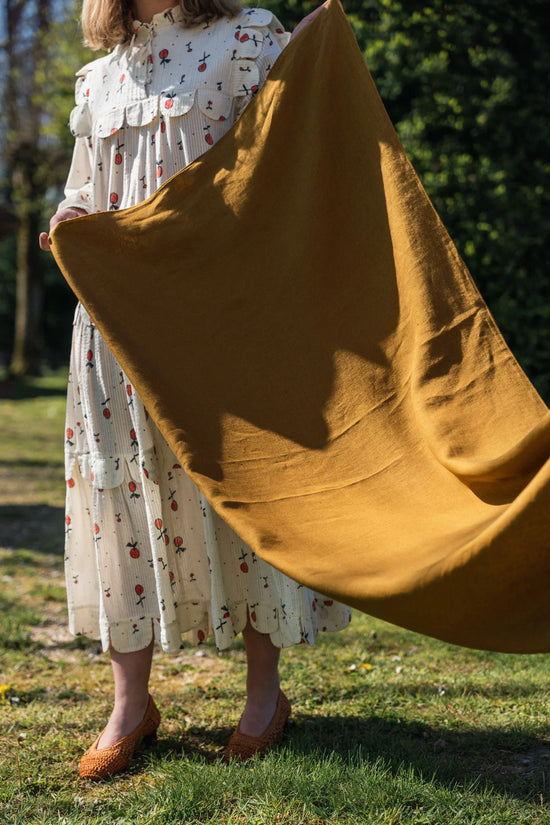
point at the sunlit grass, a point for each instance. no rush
(423, 734)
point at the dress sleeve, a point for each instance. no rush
(78, 188)
(259, 47)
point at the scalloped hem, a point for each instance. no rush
(194, 623)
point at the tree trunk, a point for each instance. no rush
(28, 182)
(27, 348)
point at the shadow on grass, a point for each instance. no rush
(17, 389)
(29, 462)
(39, 528)
(513, 762)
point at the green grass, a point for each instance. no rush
(424, 734)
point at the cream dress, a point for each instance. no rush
(146, 555)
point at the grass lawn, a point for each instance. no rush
(388, 727)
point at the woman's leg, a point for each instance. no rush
(262, 681)
(131, 675)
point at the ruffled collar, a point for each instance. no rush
(161, 19)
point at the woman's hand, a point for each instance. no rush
(307, 20)
(64, 215)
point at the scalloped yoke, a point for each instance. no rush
(128, 119)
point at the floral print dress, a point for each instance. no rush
(146, 555)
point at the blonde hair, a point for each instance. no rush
(106, 23)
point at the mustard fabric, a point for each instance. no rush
(323, 365)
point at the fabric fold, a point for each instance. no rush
(346, 402)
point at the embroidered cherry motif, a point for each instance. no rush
(159, 168)
(113, 199)
(118, 155)
(208, 137)
(89, 358)
(169, 102)
(132, 486)
(108, 592)
(200, 636)
(106, 411)
(244, 565)
(176, 466)
(133, 437)
(189, 49)
(134, 552)
(162, 530)
(178, 542)
(328, 602)
(70, 482)
(162, 126)
(69, 433)
(172, 579)
(139, 590)
(164, 59)
(202, 62)
(240, 35)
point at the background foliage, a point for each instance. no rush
(466, 86)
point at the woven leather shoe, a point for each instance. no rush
(100, 764)
(242, 747)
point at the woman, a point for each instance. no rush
(146, 556)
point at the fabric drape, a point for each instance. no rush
(345, 401)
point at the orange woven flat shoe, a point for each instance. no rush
(100, 764)
(242, 747)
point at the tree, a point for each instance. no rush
(35, 155)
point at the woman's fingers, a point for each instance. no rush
(64, 215)
(307, 20)
(44, 241)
